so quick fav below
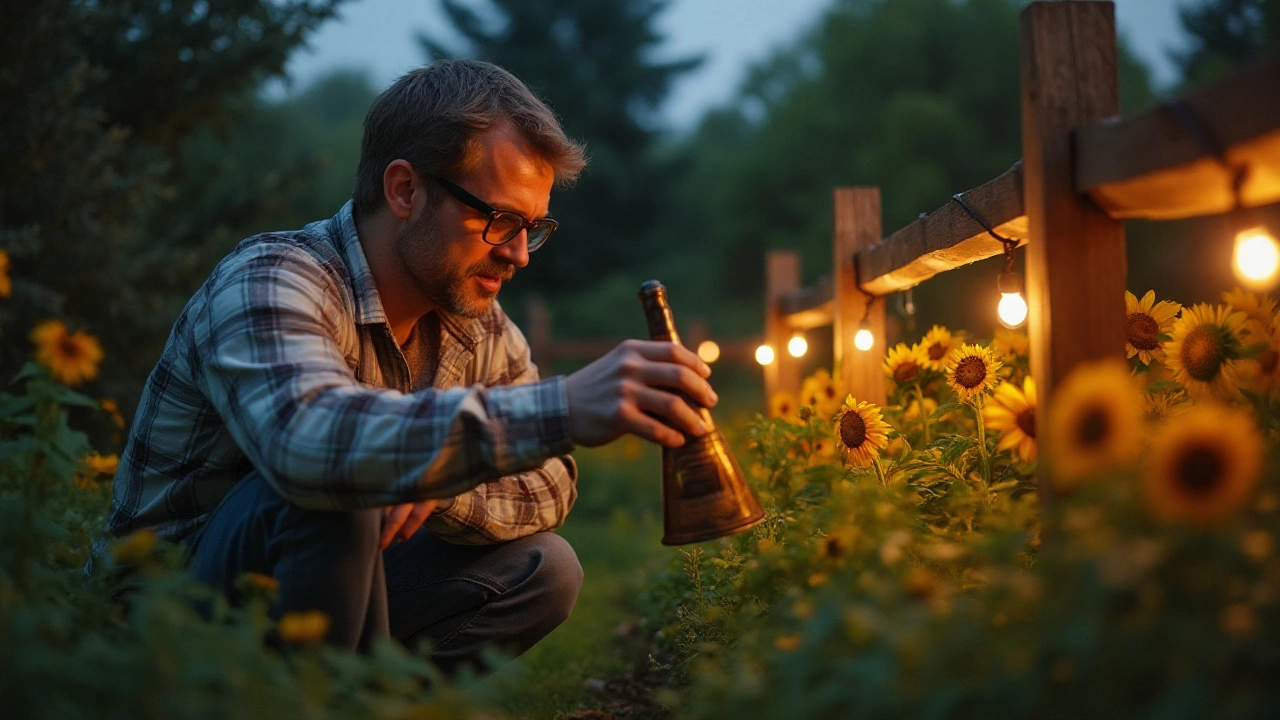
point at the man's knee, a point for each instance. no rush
(558, 576)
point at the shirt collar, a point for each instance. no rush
(369, 310)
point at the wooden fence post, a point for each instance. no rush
(1076, 257)
(857, 226)
(781, 276)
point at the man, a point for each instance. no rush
(347, 409)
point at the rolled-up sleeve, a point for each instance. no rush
(272, 365)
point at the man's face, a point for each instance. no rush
(442, 250)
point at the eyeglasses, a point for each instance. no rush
(503, 224)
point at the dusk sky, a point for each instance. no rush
(378, 35)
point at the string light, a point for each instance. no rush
(863, 339)
(1256, 253)
(1012, 309)
(708, 351)
(764, 354)
(797, 346)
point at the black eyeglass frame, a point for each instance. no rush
(531, 226)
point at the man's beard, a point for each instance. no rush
(443, 282)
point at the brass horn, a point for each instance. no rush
(704, 493)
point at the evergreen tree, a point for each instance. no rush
(1224, 34)
(591, 61)
(104, 215)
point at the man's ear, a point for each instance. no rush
(399, 186)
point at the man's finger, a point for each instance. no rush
(421, 511)
(391, 525)
(673, 353)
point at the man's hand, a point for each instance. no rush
(400, 522)
(633, 387)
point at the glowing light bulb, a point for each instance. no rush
(1257, 257)
(709, 351)
(797, 346)
(1012, 309)
(863, 340)
(764, 354)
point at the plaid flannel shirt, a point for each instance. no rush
(283, 364)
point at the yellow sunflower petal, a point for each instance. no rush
(1094, 422)
(1203, 466)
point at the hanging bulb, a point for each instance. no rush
(797, 346)
(764, 354)
(1012, 308)
(1257, 257)
(708, 351)
(863, 340)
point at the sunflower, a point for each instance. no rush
(860, 431)
(937, 344)
(1204, 349)
(819, 392)
(71, 357)
(904, 363)
(6, 284)
(1203, 465)
(783, 405)
(1013, 412)
(112, 409)
(303, 627)
(1146, 320)
(1259, 309)
(1094, 421)
(971, 371)
(1010, 344)
(1157, 408)
(1261, 374)
(912, 411)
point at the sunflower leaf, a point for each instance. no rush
(944, 409)
(953, 447)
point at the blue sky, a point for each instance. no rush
(378, 35)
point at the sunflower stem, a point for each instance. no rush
(976, 404)
(875, 462)
(924, 416)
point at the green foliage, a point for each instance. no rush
(103, 217)
(591, 60)
(1225, 34)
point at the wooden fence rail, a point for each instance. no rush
(1084, 170)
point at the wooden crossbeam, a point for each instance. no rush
(808, 307)
(946, 238)
(1150, 166)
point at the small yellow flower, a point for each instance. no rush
(1010, 344)
(1261, 374)
(912, 411)
(1203, 465)
(1012, 412)
(71, 358)
(134, 548)
(971, 371)
(860, 431)
(783, 405)
(303, 627)
(257, 585)
(1203, 351)
(819, 392)
(1094, 422)
(6, 283)
(112, 409)
(787, 643)
(1157, 408)
(937, 344)
(101, 464)
(904, 363)
(1146, 321)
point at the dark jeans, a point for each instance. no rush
(462, 598)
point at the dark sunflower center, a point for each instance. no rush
(905, 372)
(1200, 470)
(1143, 332)
(853, 430)
(936, 351)
(970, 372)
(1093, 428)
(1026, 422)
(829, 391)
(1268, 360)
(1203, 353)
(68, 349)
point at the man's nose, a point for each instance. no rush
(516, 250)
